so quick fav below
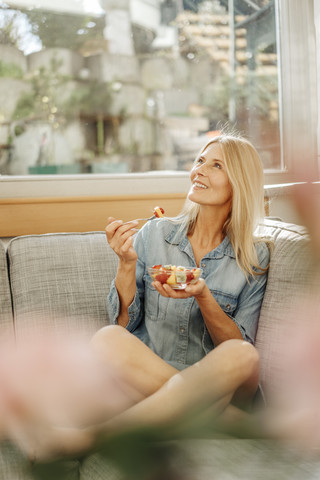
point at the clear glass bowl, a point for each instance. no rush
(177, 277)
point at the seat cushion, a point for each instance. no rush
(290, 277)
(13, 464)
(218, 459)
(6, 319)
(61, 280)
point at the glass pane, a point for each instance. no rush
(133, 85)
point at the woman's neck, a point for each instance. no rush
(207, 233)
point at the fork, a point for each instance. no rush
(140, 219)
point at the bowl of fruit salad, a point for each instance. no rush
(177, 277)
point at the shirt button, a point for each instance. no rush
(203, 265)
(182, 330)
(228, 306)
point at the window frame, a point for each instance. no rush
(298, 122)
(297, 58)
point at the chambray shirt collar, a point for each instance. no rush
(176, 237)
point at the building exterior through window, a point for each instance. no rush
(115, 86)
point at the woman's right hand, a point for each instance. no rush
(120, 238)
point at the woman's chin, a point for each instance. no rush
(192, 195)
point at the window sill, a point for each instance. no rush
(38, 186)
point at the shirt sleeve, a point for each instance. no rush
(136, 308)
(247, 313)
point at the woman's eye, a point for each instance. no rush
(217, 165)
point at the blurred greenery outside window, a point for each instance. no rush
(134, 85)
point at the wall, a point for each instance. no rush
(36, 215)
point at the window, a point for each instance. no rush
(99, 87)
(139, 85)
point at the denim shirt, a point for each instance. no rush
(174, 328)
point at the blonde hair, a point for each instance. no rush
(244, 169)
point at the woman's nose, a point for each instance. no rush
(202, 169)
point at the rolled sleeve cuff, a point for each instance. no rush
(134, 313)
(113, 308)
(113, 304)
(242, 330)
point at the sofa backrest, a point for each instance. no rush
(60, 281)
(290, 277)
(6, 325)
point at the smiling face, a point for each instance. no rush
(210, 182)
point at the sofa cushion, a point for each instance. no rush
(218, 459)
(61, 280)
(290, 277)
(6, 321)
(13, 464)
(97, 467)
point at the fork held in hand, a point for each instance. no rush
(158, 213)
(140, 219)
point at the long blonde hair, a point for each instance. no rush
(244, 169)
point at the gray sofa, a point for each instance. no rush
(62, 280)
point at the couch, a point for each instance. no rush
(62, 279)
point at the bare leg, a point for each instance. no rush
(163, 394)
(214, 380)
(229, 372)
(235, 363)
(140, 370)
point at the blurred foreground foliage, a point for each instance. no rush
(149, 452)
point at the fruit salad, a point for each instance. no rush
(177, 277)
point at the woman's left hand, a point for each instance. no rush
(192, 290)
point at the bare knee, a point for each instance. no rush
(111, 343)
(251, 357)
(247, 371)
(108, 334)
(246, 374)
(247, 359)
(239, 359)
(244, 354)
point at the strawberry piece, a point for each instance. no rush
(162, 277)
(189, 276)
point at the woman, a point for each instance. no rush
(176, 351)
(214, 232)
